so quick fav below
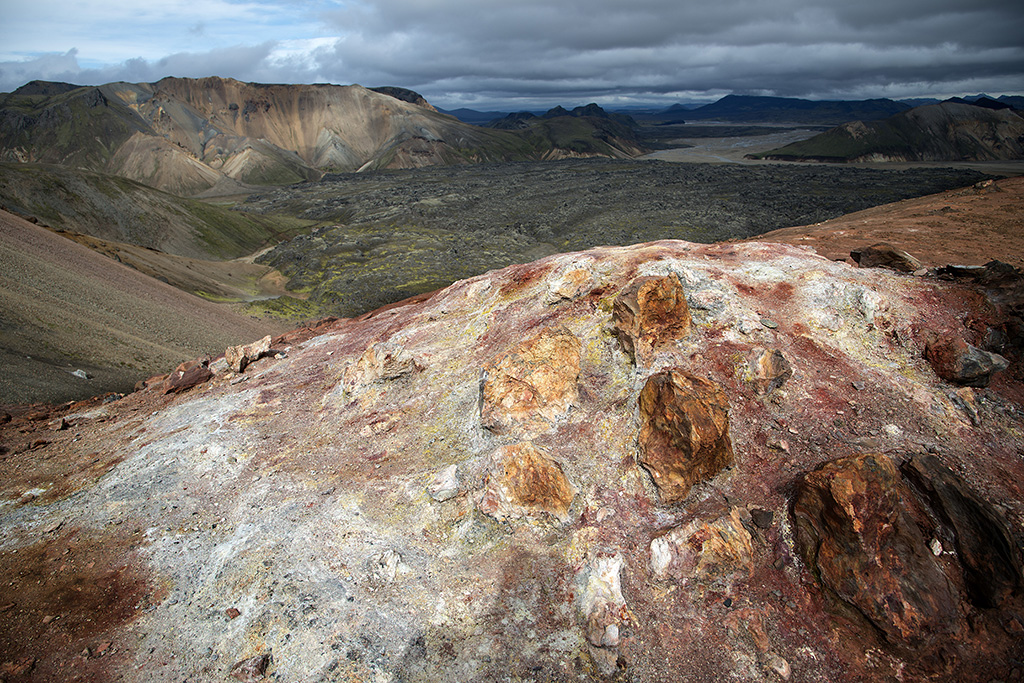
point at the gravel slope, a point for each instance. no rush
(65, 308)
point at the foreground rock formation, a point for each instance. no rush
(532, 475)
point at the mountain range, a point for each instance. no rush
(954, 130)
(190, 135)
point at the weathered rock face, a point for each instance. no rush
(525, 482)
(856, 534)
(685, 434)
(532, 386)
(883, 255)
(649, 314)
(419, 526)
(957, 361)
(984, 542)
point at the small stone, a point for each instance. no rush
(86, 653)
(770, 324)
(779, 666)
(935, 546)
(762, 518)
(81, 374)
(103, 648)
(59, 425)
(48, 618)
(445, 484)
(252, 669)
(859, 386)
(232, 612)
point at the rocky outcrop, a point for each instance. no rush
(684, 438)
(522, 501)
(721, 549)
(856, 533)
(383, 361)
(956, 361)
(238, 357)
(649, 314)
(884, 255)
(529, 388)
(524, 482)
(985, 545)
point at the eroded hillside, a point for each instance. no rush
(662, 462)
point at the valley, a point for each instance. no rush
(392, 235)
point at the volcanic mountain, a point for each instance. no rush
(188, 135)
(947, 131)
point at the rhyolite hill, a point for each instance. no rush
(187, 136)
(662, 462)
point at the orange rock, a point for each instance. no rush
(684, 438)
(767, 370)
(721, 549)
(532, 386)
(650, 313)
(525, 482)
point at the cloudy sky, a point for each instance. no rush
(514, 54)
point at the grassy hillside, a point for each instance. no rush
(121, 210)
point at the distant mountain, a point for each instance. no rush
(523, 119)
(477, 118)
(189, 135)
(750, 109)
(948, 131)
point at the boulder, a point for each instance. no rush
(856, 533)
(984, 542)
(684, 434)
(720, 549)
(529, 388)
(649, 314)
(883, 255)
(954, 360)
(524, 482)
(238, 357)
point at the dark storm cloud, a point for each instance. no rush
(536, 53)
(605, 48)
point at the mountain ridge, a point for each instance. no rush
(947, 131)
(188, 135)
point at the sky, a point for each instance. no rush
(524, 54)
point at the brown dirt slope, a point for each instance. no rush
(969, 226)
(64, 307)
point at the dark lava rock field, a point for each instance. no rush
(397, 234)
